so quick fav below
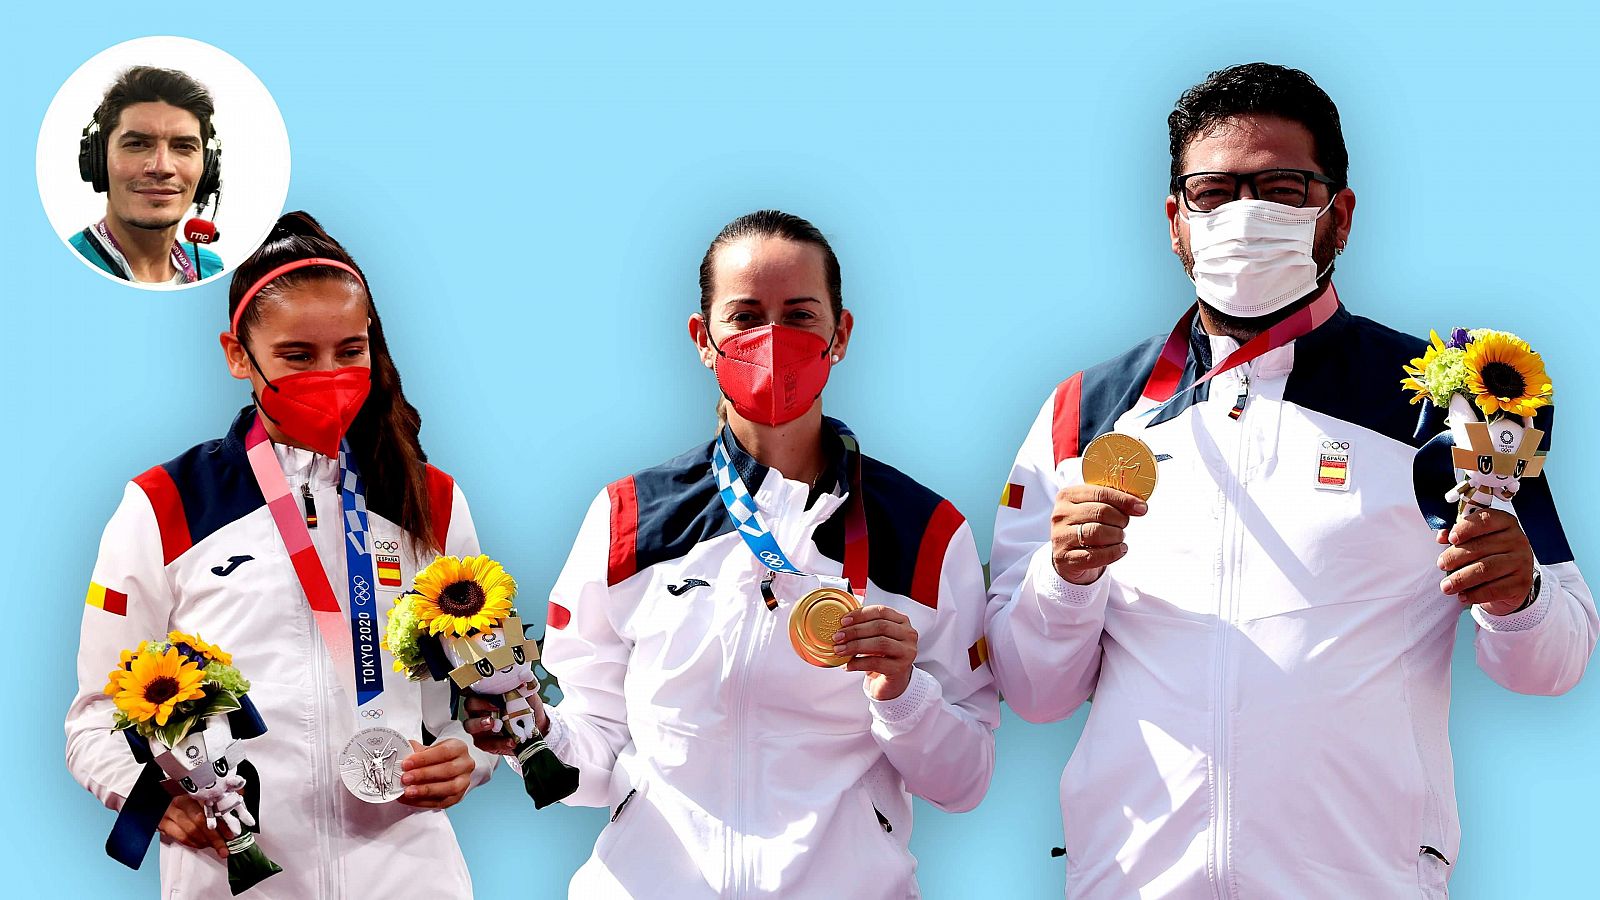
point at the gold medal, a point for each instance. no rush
(815, 620)
(1122, 462)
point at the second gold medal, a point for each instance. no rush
(815, 620)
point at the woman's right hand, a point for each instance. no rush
(185, 822)
(486, 723)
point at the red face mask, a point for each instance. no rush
(316, 408)
(774, 373)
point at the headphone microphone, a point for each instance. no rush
(200, 231)
(207, 193)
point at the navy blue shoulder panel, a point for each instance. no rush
(1111, 388)
(215, 483)
(899, 513)
(1350, 369)
(679, 506)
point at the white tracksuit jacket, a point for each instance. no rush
(734, 768)
(193, 547)
(1270, 663)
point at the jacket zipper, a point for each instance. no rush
(311, 505)
(1244, 395)
(323, 777)
(734, 869)
(1227, 588)
(624, 804)
(883, 821)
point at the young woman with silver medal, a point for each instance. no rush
(286, 540)
(767, 645)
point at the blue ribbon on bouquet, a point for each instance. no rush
(141, 812)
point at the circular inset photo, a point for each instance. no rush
(162, 162)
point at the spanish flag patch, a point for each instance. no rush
(102, 597)
(389, 571)
(1012, 496)
(978, 653)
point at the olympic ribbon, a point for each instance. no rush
(747, 520)
(364, 627)
(364, 677)
(1162, 386)
(179, 258)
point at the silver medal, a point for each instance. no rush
(370, 764)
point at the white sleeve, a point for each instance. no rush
(1044, 632)
(939, 733)
(137, 601)
(1545, 648)
(438, 713)
(589, 659)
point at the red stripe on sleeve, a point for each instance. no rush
(558, 617)
(942, 526)
(441, 503)
(116, 602)
(1064, 423)
(158, 485)
(623, 562)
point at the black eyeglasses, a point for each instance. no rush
(1205, 191)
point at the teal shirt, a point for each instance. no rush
(207, 265)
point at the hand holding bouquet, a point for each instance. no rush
(184, 710)
(458, 623)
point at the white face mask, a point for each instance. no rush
(1253, 257)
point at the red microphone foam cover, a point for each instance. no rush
(200, 231)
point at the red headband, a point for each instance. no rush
(284, 270)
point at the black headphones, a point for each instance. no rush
(92, 162)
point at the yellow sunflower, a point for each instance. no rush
(155, 683)
(1503, 373)
(1416, 373)
(209, 651)
(456, 595)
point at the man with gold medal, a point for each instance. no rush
(769, 644)
(1216, 535)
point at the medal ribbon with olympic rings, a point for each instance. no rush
(364, 682)
(741, 506)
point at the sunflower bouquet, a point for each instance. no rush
(184, 709)
(1490, 385)
(458, 623)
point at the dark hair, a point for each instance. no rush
(772, 223)
(383, 436)
(148, 84)
(1261, 89)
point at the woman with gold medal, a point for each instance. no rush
(766, 645)
(249, 542)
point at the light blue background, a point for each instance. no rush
(531, 192)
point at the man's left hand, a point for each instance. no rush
(882, 643)
(1490, 562)
(436, 777)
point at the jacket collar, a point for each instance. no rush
(754, 472)
(1324, 339)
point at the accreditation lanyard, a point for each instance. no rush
(747, 520)
(363, 678)
(179, 259)
(1162, 386)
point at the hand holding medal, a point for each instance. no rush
(1087, 527)
(184, 709)
(458, 623)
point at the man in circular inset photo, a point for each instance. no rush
(151, 149)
